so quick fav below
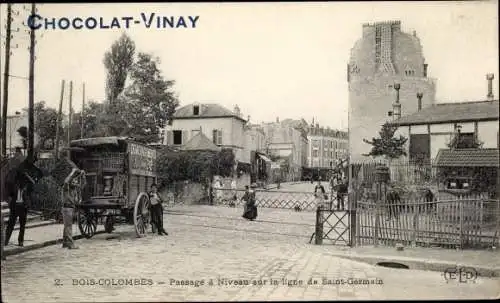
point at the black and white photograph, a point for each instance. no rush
(249, 151)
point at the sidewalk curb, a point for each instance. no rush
(421, 264)
(20, 250)
(37, 225)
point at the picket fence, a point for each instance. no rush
(401, 171)
(470, 221)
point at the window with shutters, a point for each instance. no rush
(177, 137)
(217, 136)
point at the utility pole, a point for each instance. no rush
(31, 106)
(70, 110)
(83, 108)
(59, 114)
(3, 142)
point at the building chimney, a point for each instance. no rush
(425, 69)
(237, 110)
(490, 78)
(396, 107)
(277, 119)
(419, 97)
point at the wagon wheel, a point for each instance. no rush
(87, 223)
(142, 216)
(109, 224)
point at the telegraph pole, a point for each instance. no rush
(31, 117)
(70, 111)
(3, 151)
(59, 114)
(83, 108)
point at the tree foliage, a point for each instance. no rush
(196, 166)
(458, 141)
(118, 61)
(387, 145)
(148, 104)
(46, 124)
(138, 110)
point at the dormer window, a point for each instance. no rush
(196, 110)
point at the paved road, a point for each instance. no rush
(206, 245)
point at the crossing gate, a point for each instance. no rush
(335, 227)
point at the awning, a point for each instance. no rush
(264, 158)
(87, 142)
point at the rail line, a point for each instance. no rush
(245, 230)
(237, 219)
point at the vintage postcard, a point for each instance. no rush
(161, 152)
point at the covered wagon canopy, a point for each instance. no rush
(470, 157)
(90, 142)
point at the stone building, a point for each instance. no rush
(326, 147)
(224, 127)
(383, 59)
(287, 140)
(432, 128)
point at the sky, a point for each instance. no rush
(285, 60)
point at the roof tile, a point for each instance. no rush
(473, 157)
(453, 112)
(206, 110)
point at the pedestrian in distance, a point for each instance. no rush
(320, 194)
(250, 208)
(430, 205)
(156, 211)
(342, 189)
(393, 202)
(234, 193)
(217, 192)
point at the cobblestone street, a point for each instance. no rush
(215, 243)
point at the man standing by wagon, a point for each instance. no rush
(71, 178)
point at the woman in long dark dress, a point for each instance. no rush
(250, 210)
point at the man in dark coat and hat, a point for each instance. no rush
(20, 183)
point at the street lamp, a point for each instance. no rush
(17, 114)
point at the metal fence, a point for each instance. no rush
(466, 222)
(299, 201)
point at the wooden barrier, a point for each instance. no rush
(465, 222)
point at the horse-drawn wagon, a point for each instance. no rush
(118, 173)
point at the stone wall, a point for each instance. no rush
(192, 193)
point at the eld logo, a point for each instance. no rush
(461, 274)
